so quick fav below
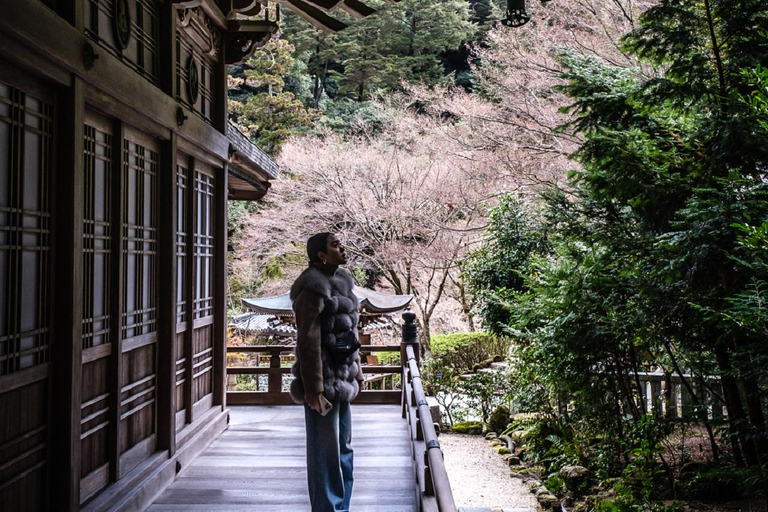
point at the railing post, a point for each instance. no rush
(275, 379)
(410, 336)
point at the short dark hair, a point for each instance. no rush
(315, 244)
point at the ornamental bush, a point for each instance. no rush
(461, 351)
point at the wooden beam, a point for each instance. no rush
(68, 299)
(324, 4)
(357, 9)
(314, 16)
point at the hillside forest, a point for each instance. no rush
(587, 192)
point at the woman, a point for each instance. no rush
(326, 313)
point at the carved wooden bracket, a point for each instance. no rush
(244, 36)
(199, 27)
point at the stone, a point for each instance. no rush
(548, 501)
(573, 472)
(494, 442)
(534, 485)
(490, 435)
(502, 450)
(513, 460)
(509, 441)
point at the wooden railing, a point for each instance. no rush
(280, 360)
(431, 477)
(667, 395)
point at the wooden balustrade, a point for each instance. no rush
(430, 474)
(666, 395)
(431, 477)
(280, 359)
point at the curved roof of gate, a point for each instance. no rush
(368, 300)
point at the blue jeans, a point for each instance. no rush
(329, 457)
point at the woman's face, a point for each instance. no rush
(334, 252)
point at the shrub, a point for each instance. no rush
(719, 484)
(468, 427)
(499, 419)
(463, 350)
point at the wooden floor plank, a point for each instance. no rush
(258, 465)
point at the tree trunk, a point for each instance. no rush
(756, 417)
(736, 417)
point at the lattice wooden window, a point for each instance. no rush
(203, 244)
(182, 207)
(139, 251)
(204, 103)
(141, 53)
(97, 232)
(26, 130)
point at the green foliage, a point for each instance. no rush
(720, 484)
(237, 211)
(469, 427)
(388, 358)
(274, 268)
(494, 272)
(259, 106)
(351, 117)
(653, 257)
(461, 351)
(499, 419)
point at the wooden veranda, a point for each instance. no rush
(258, 464)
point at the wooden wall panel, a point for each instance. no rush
(204, 241)
(98, 323)
(182, 234)
(202, 362)
(26, 134)
(23, 448)
(189, 55)
(97, 235)
(141, 54)
(180, 372)
(94, 437)
(137, 411)
(139, 322)
(26, 166)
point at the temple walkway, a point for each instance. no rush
(258, 465)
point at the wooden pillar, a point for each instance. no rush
(118, 293)
(220, 290)
(166, 367)
(68, 301)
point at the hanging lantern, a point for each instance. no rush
(516, 15)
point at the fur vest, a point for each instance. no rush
(331, 306)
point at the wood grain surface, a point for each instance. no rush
(258, 465)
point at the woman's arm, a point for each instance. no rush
(308, 305)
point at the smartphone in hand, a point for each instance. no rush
(327, 405)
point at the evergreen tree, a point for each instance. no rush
(259, 106)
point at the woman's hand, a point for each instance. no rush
(315, 402)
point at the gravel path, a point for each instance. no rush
(479, 478)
